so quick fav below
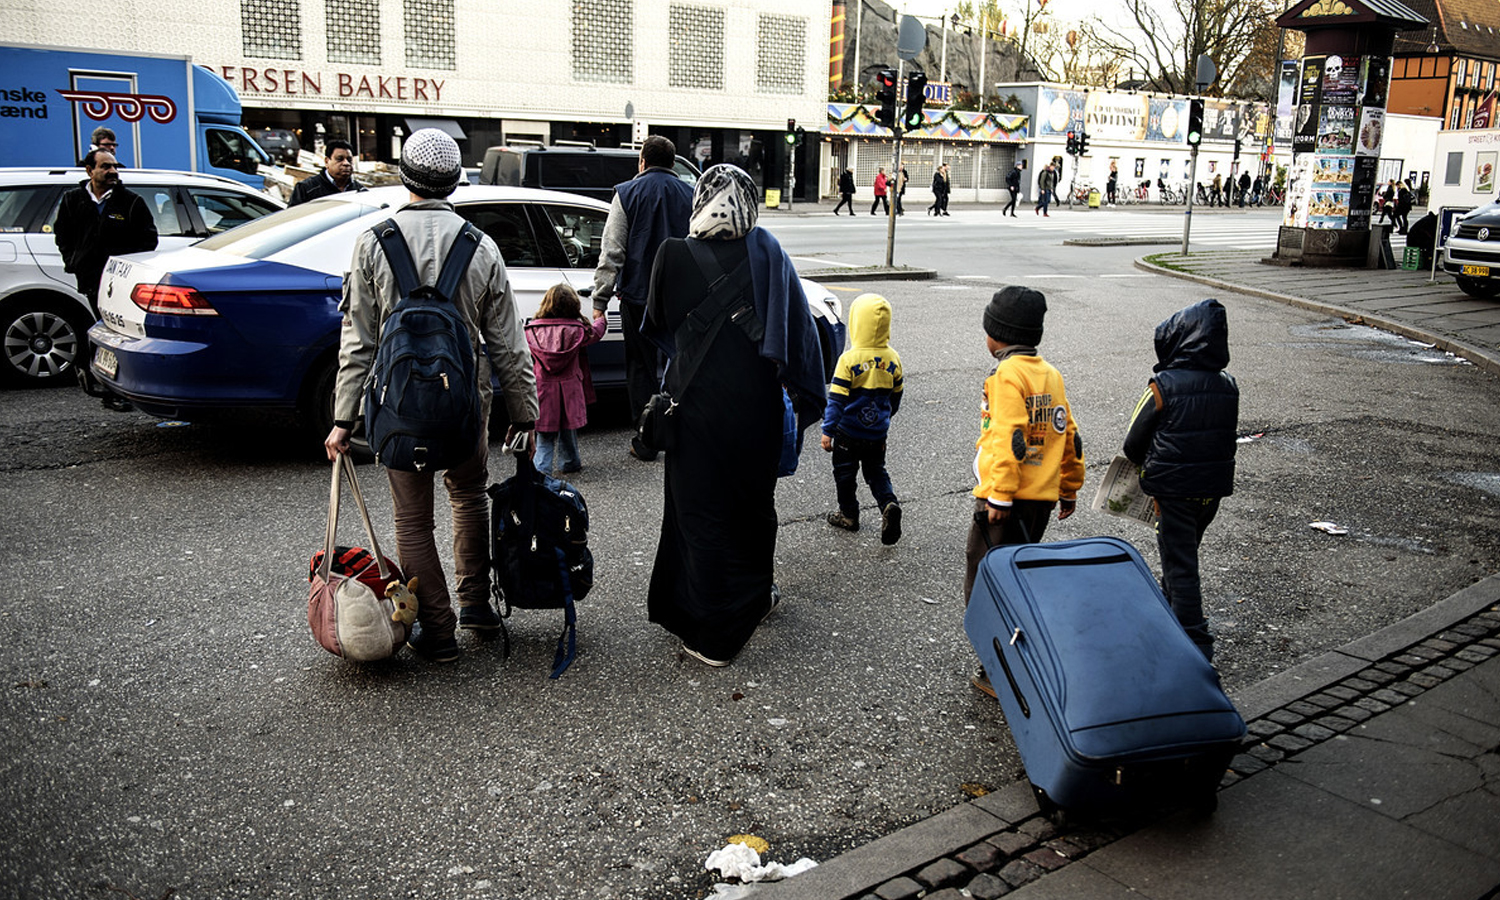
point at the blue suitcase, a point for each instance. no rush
(1107, 698)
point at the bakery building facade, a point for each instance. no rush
(720, 79)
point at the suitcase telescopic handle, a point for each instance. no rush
(1010, 676)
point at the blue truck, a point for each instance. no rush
(166, 112)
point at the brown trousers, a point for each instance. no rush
(416, 545)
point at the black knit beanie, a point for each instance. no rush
(1014, 316)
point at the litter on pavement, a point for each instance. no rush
(740, 861)
(1329, 527)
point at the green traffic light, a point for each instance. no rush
(791, 138)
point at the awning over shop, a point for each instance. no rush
(448, 126)
(856, 120)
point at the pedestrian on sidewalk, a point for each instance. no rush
(881, 184)
(564, 385)
(864, 394)
(939, 205)
(1385, 207)
(846, 191)
(901, 191)
(1244, 188)
(1030, 457)
(1111, 187)
(1046, 183)
(1183, 436)
(1216, 192)
(1404, 200)
(1013, 185)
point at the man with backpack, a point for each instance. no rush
(399, 271)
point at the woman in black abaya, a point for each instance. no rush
(711, 584)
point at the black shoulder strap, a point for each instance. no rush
(398, 255)
(696, 334)
(457, 263)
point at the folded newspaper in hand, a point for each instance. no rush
(1120, 493)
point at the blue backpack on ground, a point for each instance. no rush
(422, 398)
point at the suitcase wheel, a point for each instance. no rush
(1050, 809)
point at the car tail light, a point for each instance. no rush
(171, 300)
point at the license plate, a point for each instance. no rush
(106, 362)
(1475, 271)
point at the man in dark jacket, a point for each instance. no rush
(846, 191)
(336, 178)
(96, 220)
(1012, 184)
(1183, 436)
(1046, 183)
(647, 209)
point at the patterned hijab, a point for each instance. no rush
(724, 205)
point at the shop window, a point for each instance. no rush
(354, 31)
(697, 48)
(429, 34)
(271, 28)
(781, 54)
(1455, 170)
(603, 40)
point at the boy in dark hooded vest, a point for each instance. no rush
(1183, 437)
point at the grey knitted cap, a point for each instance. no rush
(430, 163)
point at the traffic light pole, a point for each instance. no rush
(895, 179)
(1192, 188)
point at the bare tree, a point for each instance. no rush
(1169, 35)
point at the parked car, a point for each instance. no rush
(249, 319)
(578, 169)
(280, 143)
(42, 315)
(1472, 252)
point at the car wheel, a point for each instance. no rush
(316, 409)
(1479, 288)
(43, 339)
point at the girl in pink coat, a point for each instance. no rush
(564, 389)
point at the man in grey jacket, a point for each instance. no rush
(431, 169)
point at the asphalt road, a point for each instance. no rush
(169, 724)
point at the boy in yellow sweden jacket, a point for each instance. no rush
(1030, 457)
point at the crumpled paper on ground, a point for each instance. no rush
(742, 862)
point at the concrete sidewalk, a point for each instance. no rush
(1370, 771)
(1410, 303)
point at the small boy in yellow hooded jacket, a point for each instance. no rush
(1030, 457)
(864, 394)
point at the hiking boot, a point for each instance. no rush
(480, 617)
(839, 520)
(981, 683)
(716, 663)
(890, 523)
(431, 647)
